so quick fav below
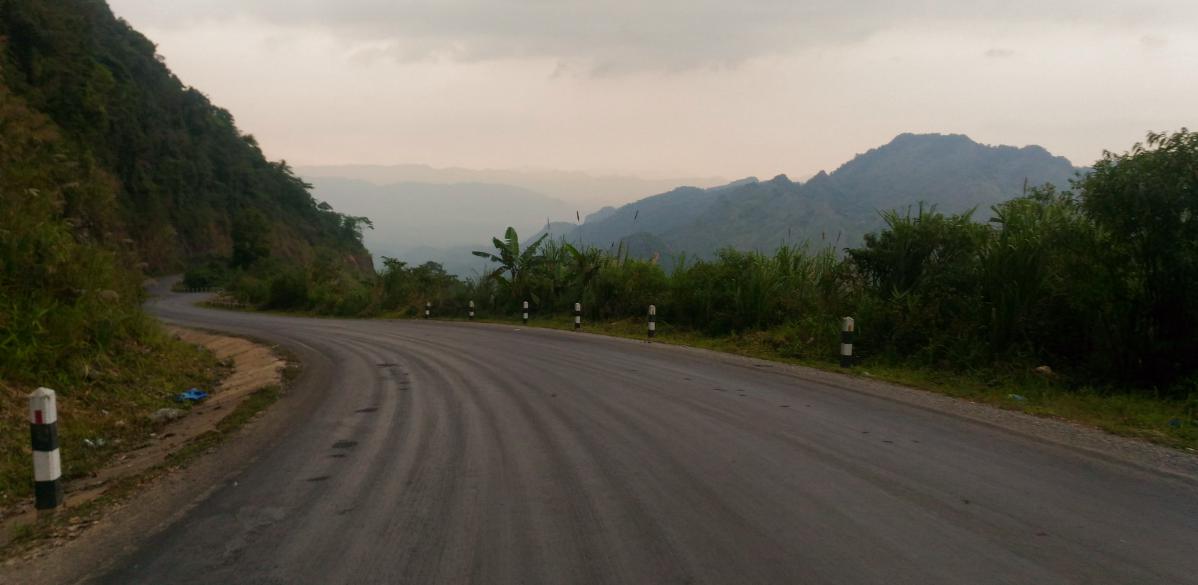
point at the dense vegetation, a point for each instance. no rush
(184, 176)
(111, 170)
(69, 305)
(1098, 282)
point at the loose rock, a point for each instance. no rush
(166, 415)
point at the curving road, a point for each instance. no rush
(456, 453)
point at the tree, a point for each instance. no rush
(1148, 200)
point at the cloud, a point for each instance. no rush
(1154, 41)
(628, 35)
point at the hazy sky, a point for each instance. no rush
(692, 87)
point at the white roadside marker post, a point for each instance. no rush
(470, 315)
(652, 321)
(47, 464)
(847, 332)
(428, 310)
(525, 314)
(577, 316)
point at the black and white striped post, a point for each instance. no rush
(652, 321)
(847, 332)
(577, 316)
(47, 464)
(428, 310)
(525, 314)
(470, 314)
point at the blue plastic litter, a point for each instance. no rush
(193, 395)
(1016, 397)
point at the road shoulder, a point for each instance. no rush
(146, 488)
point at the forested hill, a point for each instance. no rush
(951, 172)
(167, 172)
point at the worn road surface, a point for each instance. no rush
(458, 453)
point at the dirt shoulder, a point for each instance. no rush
(47, 550)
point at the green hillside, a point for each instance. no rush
(184, 178)
(112, 170)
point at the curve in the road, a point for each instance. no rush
(458, 453)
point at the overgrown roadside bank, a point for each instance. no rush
(153, 438)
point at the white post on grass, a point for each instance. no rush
(525, 314)
(652, 321)
(428, 310)
(47, 464)
(471, 313)
(577, 316)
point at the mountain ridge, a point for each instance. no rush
(950, 171)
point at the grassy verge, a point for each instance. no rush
(79, 516)
(1167, 422)
(103, 414)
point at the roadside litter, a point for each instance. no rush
(193, 395)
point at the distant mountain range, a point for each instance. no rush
(442, 220)
(423, 213)
(582, 190)
(952, 172)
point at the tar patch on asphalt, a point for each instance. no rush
(319, 478)
(368, 409)
(345, 444)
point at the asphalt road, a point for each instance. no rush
(460, 453)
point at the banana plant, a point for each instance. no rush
(515, 265)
